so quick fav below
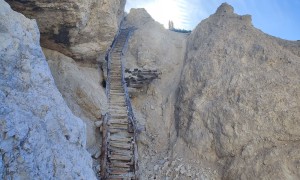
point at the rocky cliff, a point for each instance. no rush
(37, 139)
(153, 47)
(238, 103)
(225, 105)
(82, 30)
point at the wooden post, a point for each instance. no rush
(104, 147)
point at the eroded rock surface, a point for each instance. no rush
(238, 105)
(40, 138)
(153, 47)
(80, 85)
(226, 105)
(82, 30)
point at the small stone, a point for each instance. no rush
(152, 107)
(189, 174)
(20, 159)
(183, 170)
(101, 129)
(98, 167)
(178, 168)
(173, 163)
(98, 123)
(97, 155)
(156, 168)
(166, 164)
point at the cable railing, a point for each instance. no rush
(131, 116)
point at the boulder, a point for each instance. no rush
(82, 30)
(80, 85)
(40, 138)
(238, 102)
(152, 47)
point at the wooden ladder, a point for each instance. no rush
(118, 159)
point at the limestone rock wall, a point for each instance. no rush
(153, 47)
(226, 105)
(82, 30)
(80, 85)
(238, 104)
(40, 138)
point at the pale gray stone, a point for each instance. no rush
(239, 100)
(82, 30)
(40, 138)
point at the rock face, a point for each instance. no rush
(82, 30)
(153, 47)
(238, 105)
(40, 138)
(226, 105)
(80, 85)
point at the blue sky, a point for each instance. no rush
(280, 18)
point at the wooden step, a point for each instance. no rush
(118, 121)
(117, 84)
(116, 104)
(118, 126)
(121, 152)
(115, 96)
(123, 108)
(116, 67)
(116, 78)
(119, 171)
(121, 139)
(120, 164)
(128, 176)
(115, 93)
(117, 101)
(113, 131)
(115, 72)
(120, 157)
(117, 116)
(118, 110)
(127, 154)
(116, 75)
(116, 87)
(121, 145)
(123, 134)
